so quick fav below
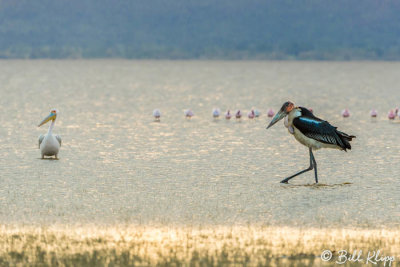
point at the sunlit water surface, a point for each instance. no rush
(119, 166)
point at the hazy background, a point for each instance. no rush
(188, 29)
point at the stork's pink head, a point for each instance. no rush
(345, 113)
(286, 108)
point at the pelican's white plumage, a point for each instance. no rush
(49, 144)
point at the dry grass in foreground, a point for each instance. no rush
(163, 246)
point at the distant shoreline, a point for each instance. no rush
(172, 54)
(198, 59)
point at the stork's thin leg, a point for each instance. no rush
(315, 166)
(312, 160)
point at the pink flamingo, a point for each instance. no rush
(238, 114)
(228, 115)
(374, 113)
(391, 115)
(345, 113)
(189, 113)
(270, 113)
(251, 114)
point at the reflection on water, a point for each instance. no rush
(117, 165)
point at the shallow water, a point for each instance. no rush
(119, 166)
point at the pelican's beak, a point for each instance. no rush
(51, 116)
(280, 115)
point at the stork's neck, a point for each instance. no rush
(51, 127)
(296, 112)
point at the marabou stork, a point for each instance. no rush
(312, 132)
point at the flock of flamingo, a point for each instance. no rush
(254, 113)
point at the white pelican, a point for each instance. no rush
(157, 114)
(49, 143)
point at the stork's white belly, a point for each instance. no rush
(50, 145)
(309, 142)
(305, 140)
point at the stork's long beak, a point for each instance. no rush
(280, 115)
(51, 116)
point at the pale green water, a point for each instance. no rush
(117, 165)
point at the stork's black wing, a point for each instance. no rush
(321, 130)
